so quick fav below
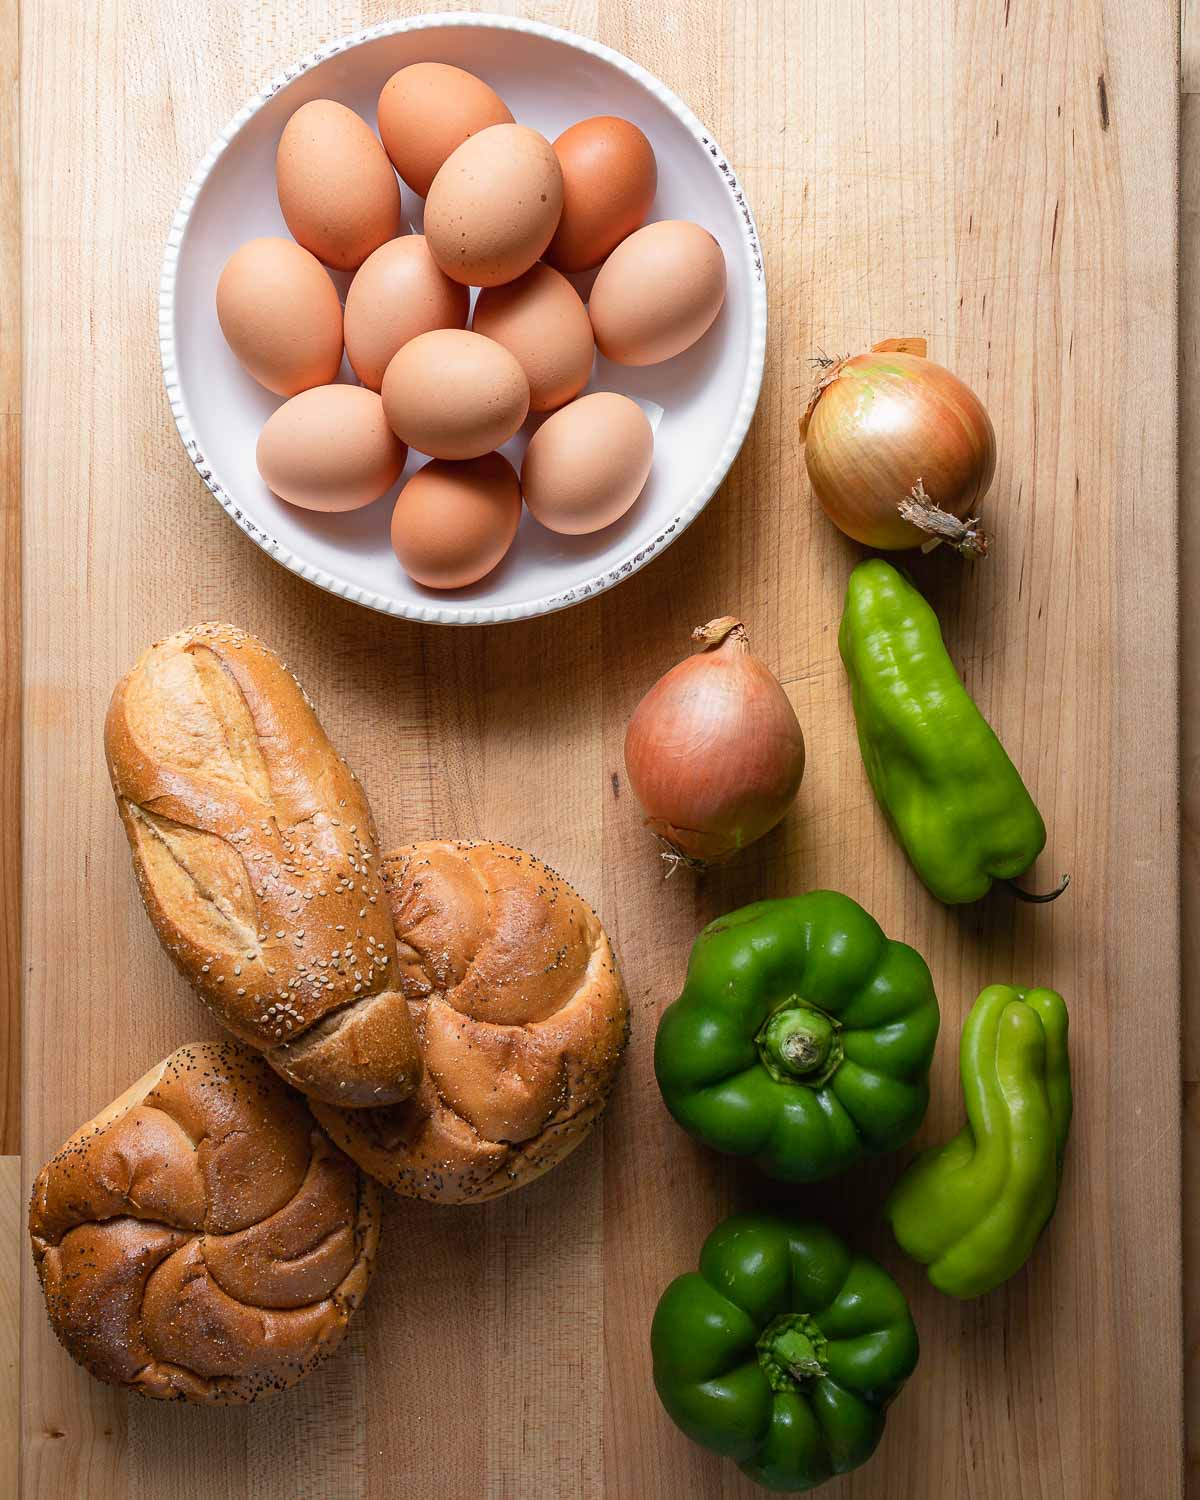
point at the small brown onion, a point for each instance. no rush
(899, 451)
(714, 752)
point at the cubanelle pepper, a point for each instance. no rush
(953, 797)
(783, 1351)
(972, 1210)
(802, 1038)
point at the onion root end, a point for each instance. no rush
(963, 535)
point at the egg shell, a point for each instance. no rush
(398, 292)
(453, 522)
(609, 180)
(657, 293)
(330, 449)
(455, 394)
(337, 190)
(427, 110)
(494, 205)
(280, 314)
(587, 464)
(541, 319)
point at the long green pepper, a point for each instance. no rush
(953, 797)
(972, 1210)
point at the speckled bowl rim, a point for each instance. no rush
(469, 614)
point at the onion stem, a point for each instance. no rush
(716, 632)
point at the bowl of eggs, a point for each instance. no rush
(463, 318)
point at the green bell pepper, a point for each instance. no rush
(971, 1210)
(783, 1351)
(802, 1038)
(954, 799)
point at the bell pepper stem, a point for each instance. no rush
(1038, 897)
(799, 1044)
(791, 1351)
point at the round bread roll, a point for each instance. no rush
(201, 1240)
(520, 1013)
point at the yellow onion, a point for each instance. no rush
(899, 451)
(714, 752)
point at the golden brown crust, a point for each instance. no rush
(257, 859)
(201, 1239)
(521, 1015)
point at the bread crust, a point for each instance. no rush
(522, 1018)
(257, 859)
(201, 1239)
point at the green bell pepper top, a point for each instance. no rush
(951, 794)
(973, 1209)
(802, 1038)
(783, 1351)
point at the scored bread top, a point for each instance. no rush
(257, 859)
(522, 1019)
(201, 1239)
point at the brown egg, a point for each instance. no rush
(454, 394)
(657, 293)
(330, 449)
(281, 316)
(540, 319)
(453, 522)
(494, 205)
(397, 293)
(337, 190)
(609, 180)
(427, 110)
(587, 464)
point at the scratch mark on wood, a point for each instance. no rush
(1102, 90)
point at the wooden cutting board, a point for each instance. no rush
(998, 177)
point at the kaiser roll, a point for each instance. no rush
(257, 859)
(201, 1239)
(521, 1017)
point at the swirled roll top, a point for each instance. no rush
(201, 1239)
(257, 859)
(522, 1019)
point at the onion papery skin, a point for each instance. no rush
(714, 752)
(884, 423)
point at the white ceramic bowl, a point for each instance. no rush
(548, 78)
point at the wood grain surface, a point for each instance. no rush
(1189, 648)
(999, 177)
(10, 586)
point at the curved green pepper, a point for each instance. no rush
(971, 1210)
(783, 1351)
(802, 1037)
(954, 799)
